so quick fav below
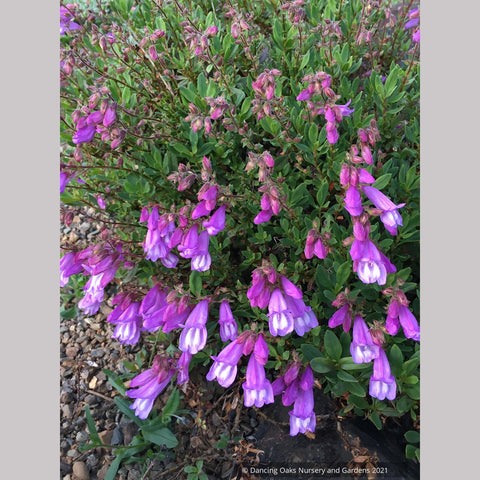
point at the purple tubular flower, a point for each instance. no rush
(344, 110)
(389, 216)
(210, 198)
(64, 179)
(95, 117)
(362, 348)
(291, 373)
(302, 417)
(84, 134)
(154, 246)
(290, 289)
(201, 260)
(70, 264)
(280, 319)
(303, 317)
(332, 133)
(263, 216)
(66, 24)
(224, 367)
(128, 323)
(151, 383)
(110, 115)
(189, 245)
(260, 350)
(353, 201)
(100, 201)
(200, 210)
(216, 223)
(278, 386)
(341, 317)
(392, 324)
(304, 95)
(170, 260)
(364, 176)
(259, 293)
(307, 380)
(194, 334)
(409, 323)
(382, 382)
(182, 367)
(291, 393)
(414, 18)
(257, 388)
(174, 321)
(228, 325)
(416, 36)
(152, 308)
(90, 303)
(369, 263)
(319, 249)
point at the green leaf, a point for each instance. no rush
(188, 94)
(321, 365)
(162, 436)
(190, 469)
(322, 193)
(342, 274)
(382, 181)
(305, 60)
(195, 283)
(357, 389)
(375, 419)
(412, 436)
(395, 358)
(91, 427)
(312, 133)
(411, 380)
(359, 402)
(124, 406)
(332, 345)
(172, 404)
(347, 363)
(346, 377)
(69, 313)
(310, 352)
(404, 404)
(411, 451)
(202, 85)
(136, 446)
(115, 381)
(413, 391)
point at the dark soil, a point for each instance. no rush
(234, 442)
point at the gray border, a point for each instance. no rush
(29, 194)
(450, 169)
(449, 226)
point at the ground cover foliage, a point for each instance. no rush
(254, 167)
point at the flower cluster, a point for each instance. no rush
(371, 265)
(101, 262)
(264, 88)
(66, 22)
(163, 234)
(414, 22)
(319, 86)
(97, 121)
(297, 389)
(286, 309)
(197, 41)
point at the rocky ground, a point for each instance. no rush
(231, 440)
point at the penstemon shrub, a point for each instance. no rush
(255, 170)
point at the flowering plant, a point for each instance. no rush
(257, 186)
